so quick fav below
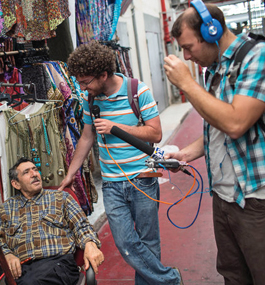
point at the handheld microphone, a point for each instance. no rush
(96, 112)
(155, 153)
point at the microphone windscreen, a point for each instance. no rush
(95, 111)
(139, 144)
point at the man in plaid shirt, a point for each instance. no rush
(233, 141)
(44, 227)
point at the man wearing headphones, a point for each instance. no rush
(232, 142)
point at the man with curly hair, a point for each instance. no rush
(133, 218)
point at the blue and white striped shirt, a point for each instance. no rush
(117, 109)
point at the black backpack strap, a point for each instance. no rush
(91, 102)
(206, 76)
(240, 55)
(132, 91)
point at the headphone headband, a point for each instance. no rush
(203, 11)
(211, 29)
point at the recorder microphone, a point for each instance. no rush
(96, 112)
(155, 153)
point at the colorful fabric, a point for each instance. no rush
(247, 156)
(114, 9)
(52, 223)
(117, 109)
(97, 19)
(33, 20)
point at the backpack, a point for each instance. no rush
(239, 57)
(132, 91)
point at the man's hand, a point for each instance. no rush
(14, 265)
(93, 255)
(177, 71)
(175, 155)
(67, 182)
(103, 126)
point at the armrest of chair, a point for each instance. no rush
(3, 263)
(90, 276)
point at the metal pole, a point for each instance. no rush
(250, 17)
(137, 42)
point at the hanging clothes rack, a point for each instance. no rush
(28, 117)
(6, 53)
(29, 96)
(26, 85)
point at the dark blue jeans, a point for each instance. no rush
(133, 220)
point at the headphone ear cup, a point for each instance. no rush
(206, 31)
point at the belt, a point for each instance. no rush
(149, 174)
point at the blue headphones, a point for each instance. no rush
(211, 29)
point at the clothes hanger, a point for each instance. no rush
(28, 117)
(29, 97)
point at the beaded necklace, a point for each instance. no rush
(33, 150)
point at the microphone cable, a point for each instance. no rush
(188, 194)
(199, 205)
(163, 202)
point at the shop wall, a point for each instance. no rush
(141, 28)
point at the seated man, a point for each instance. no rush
(44, 227)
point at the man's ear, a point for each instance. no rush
(104, 74)
(15, 184)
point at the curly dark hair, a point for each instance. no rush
(91, 60)
(195, 22)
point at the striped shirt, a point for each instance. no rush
(247, 156)
(117, 109)
(51, 223)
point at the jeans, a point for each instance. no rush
(133, 220)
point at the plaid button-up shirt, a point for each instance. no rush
(52, 223)
(247, 155)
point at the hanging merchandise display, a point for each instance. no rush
(33, 20)
(123, 64)
(41, 105)
(113, 14)
(96, 19)
(41, 120)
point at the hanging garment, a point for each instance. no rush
(113, 14)
(4, 169)
(35, 136)
(97, 19)
(7, 62)
(13, 77)
(2, 25)
(33, 20)
(68, 127)
(84, 26)
(38, 75)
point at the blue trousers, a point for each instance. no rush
(133, 220)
